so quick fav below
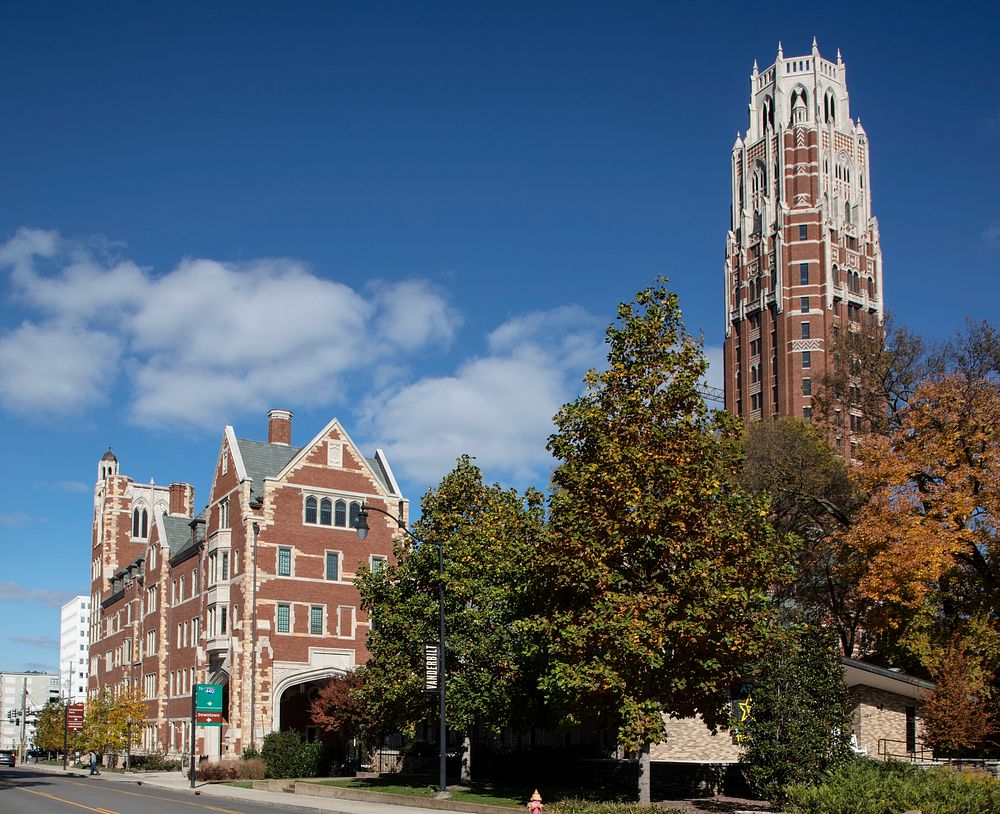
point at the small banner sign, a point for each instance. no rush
(74, 717)
(432, 668)
(202, 718)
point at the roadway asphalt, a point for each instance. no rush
(47, 790)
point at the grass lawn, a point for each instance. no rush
(425, 786)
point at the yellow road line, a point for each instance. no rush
(168, 799)
(60, 799)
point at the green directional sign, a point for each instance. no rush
(208, 698)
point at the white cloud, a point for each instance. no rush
(412, 313)
(202, 342)
(498, 408)
(12, 592)
(56, 369)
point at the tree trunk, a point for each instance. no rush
(644, 775)
(466, 776)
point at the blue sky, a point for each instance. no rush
(417, 217)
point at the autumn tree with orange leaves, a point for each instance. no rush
(930, 529)
(957, 713)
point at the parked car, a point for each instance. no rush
(7, 757)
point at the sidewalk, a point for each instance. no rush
(345, 801)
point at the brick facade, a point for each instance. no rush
(175, 601)
(803, 258)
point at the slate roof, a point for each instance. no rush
(264, 460)
(382, 478)
(178, 532)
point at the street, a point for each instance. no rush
(27, 791)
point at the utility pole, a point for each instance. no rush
(24, 716)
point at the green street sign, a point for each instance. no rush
(208, 698)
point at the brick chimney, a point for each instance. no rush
(182, 499)
(279, 427)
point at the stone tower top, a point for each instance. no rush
(820, 85)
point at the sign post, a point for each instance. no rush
(206, 710)
(72, 722)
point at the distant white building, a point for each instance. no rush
(27, 691)
(74, 647)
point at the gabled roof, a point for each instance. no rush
(262, 460)
(378, 466)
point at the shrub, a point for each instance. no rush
(253, 769)
(280, 752)
(153, 763)
(314, 759)
(873, 787)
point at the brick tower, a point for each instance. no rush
(803, 260)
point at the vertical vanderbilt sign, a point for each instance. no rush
(432, 668)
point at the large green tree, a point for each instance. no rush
(653, 580)
(814, 502)
(798, 721)
(487, 534)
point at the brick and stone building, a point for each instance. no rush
(254, 594)
(803, 259)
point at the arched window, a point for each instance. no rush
(310, 509)
(847, 211)
(355, 509)
(144, 525)
(326, 512)
(135, 522)
(340, 514)
(767, 115)
(799, 106)
(871, 287)
(829, 108)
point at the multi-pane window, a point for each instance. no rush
(284, 562)
(224, 513)
(225, 565)
(332, 565)
(803, 274)
(806, 330)
(807, 387)
(807, 413)
(284, 618)
(803, 232)
(316, 620)
(355, 511)
(328, 512)
(806, 360)
(804, 305)
(378, 563)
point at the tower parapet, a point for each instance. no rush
(802, 254)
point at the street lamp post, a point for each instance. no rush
(361, 526)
